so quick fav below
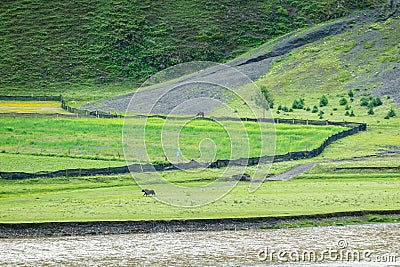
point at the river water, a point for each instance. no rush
(359, 245)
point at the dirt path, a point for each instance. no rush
(296, 171)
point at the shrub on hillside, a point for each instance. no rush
(390, 114)
(323, 101)
(376, 101)
(364, 101)
(264, 99)
(267, 96)
(371, 111)
(298, 104)
(343, 101)
(370, 101)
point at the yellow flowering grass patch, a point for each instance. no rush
(31, 107)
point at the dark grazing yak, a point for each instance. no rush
(148, 192)
(200, 114)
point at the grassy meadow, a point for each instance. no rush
(43, 107)
(119, 198)
(35, 163)
(338, 182)
(48, 144)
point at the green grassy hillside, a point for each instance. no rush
(90, 50)
(346, 69)
(357, 72)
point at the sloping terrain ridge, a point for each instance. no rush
(257, 63)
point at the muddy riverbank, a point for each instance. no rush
(57, 229)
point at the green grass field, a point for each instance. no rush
(43, 107)
(37, 163)
(119, 198)
(48, 144)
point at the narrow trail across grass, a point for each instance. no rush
(292, 173)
